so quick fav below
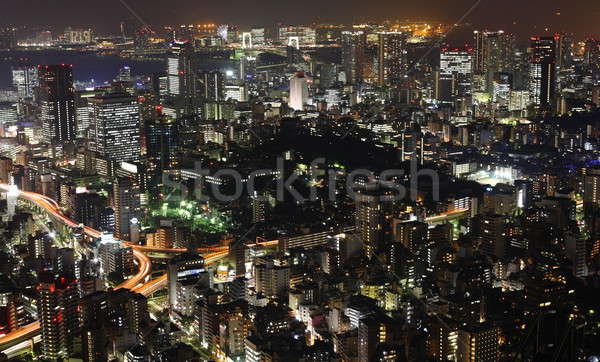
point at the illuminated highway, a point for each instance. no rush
(135, 283)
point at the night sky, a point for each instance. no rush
(522, 17)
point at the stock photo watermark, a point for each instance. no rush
(229, 184)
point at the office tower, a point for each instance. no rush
(162, 144)
(25, 80)
(379, 338)
(57, 305)
(478, 343)
(493, 53)
(212, 86)
(182, 79)
(373, 210)
(126, 196)
(115, 127)
(455, 75)
(392, 59)
(542, 71)
(353, 55)
(298, 91)
(57, 98)
(83, 110)
(185, 268)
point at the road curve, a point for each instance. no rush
(52, 208)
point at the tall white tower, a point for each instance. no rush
(298, 91)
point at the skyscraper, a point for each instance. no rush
(212, 86)
(115, 127)
(493, 53)
(183, 268)
(57, 303)
(126, 194)
(455, 75)
(353, 55)
(57, 97)
(298, 91)
(25, 79)
(392, 59)
(183, 79)
(372, 211)
(542, 71)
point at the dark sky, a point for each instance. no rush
(522, 17)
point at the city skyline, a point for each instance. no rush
(522, 18)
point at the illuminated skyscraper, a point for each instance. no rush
(126, 195)
(455, 75)
(57, 97)
(57, 303)
(478, 343)
(392, 59)
(298, 91)
(212, 86)
(25, 79)
(182, 79)
(493, 53)
(115, 127)
(353, 55)
(542, 71)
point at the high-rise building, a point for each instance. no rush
(493, 53)
(298, 91)
(212, 86)
(455, 75)
(57, 97)
(392, 58)
(542, 71)
(478, 343)
(25, 79)
(182, 269)
(183, 79)
(57, 304)
(272, 277)
(373, 211)
(114, 258)
(162, 143)
(115, 127)
(379, 338)
(353, 55)
(126, 196)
